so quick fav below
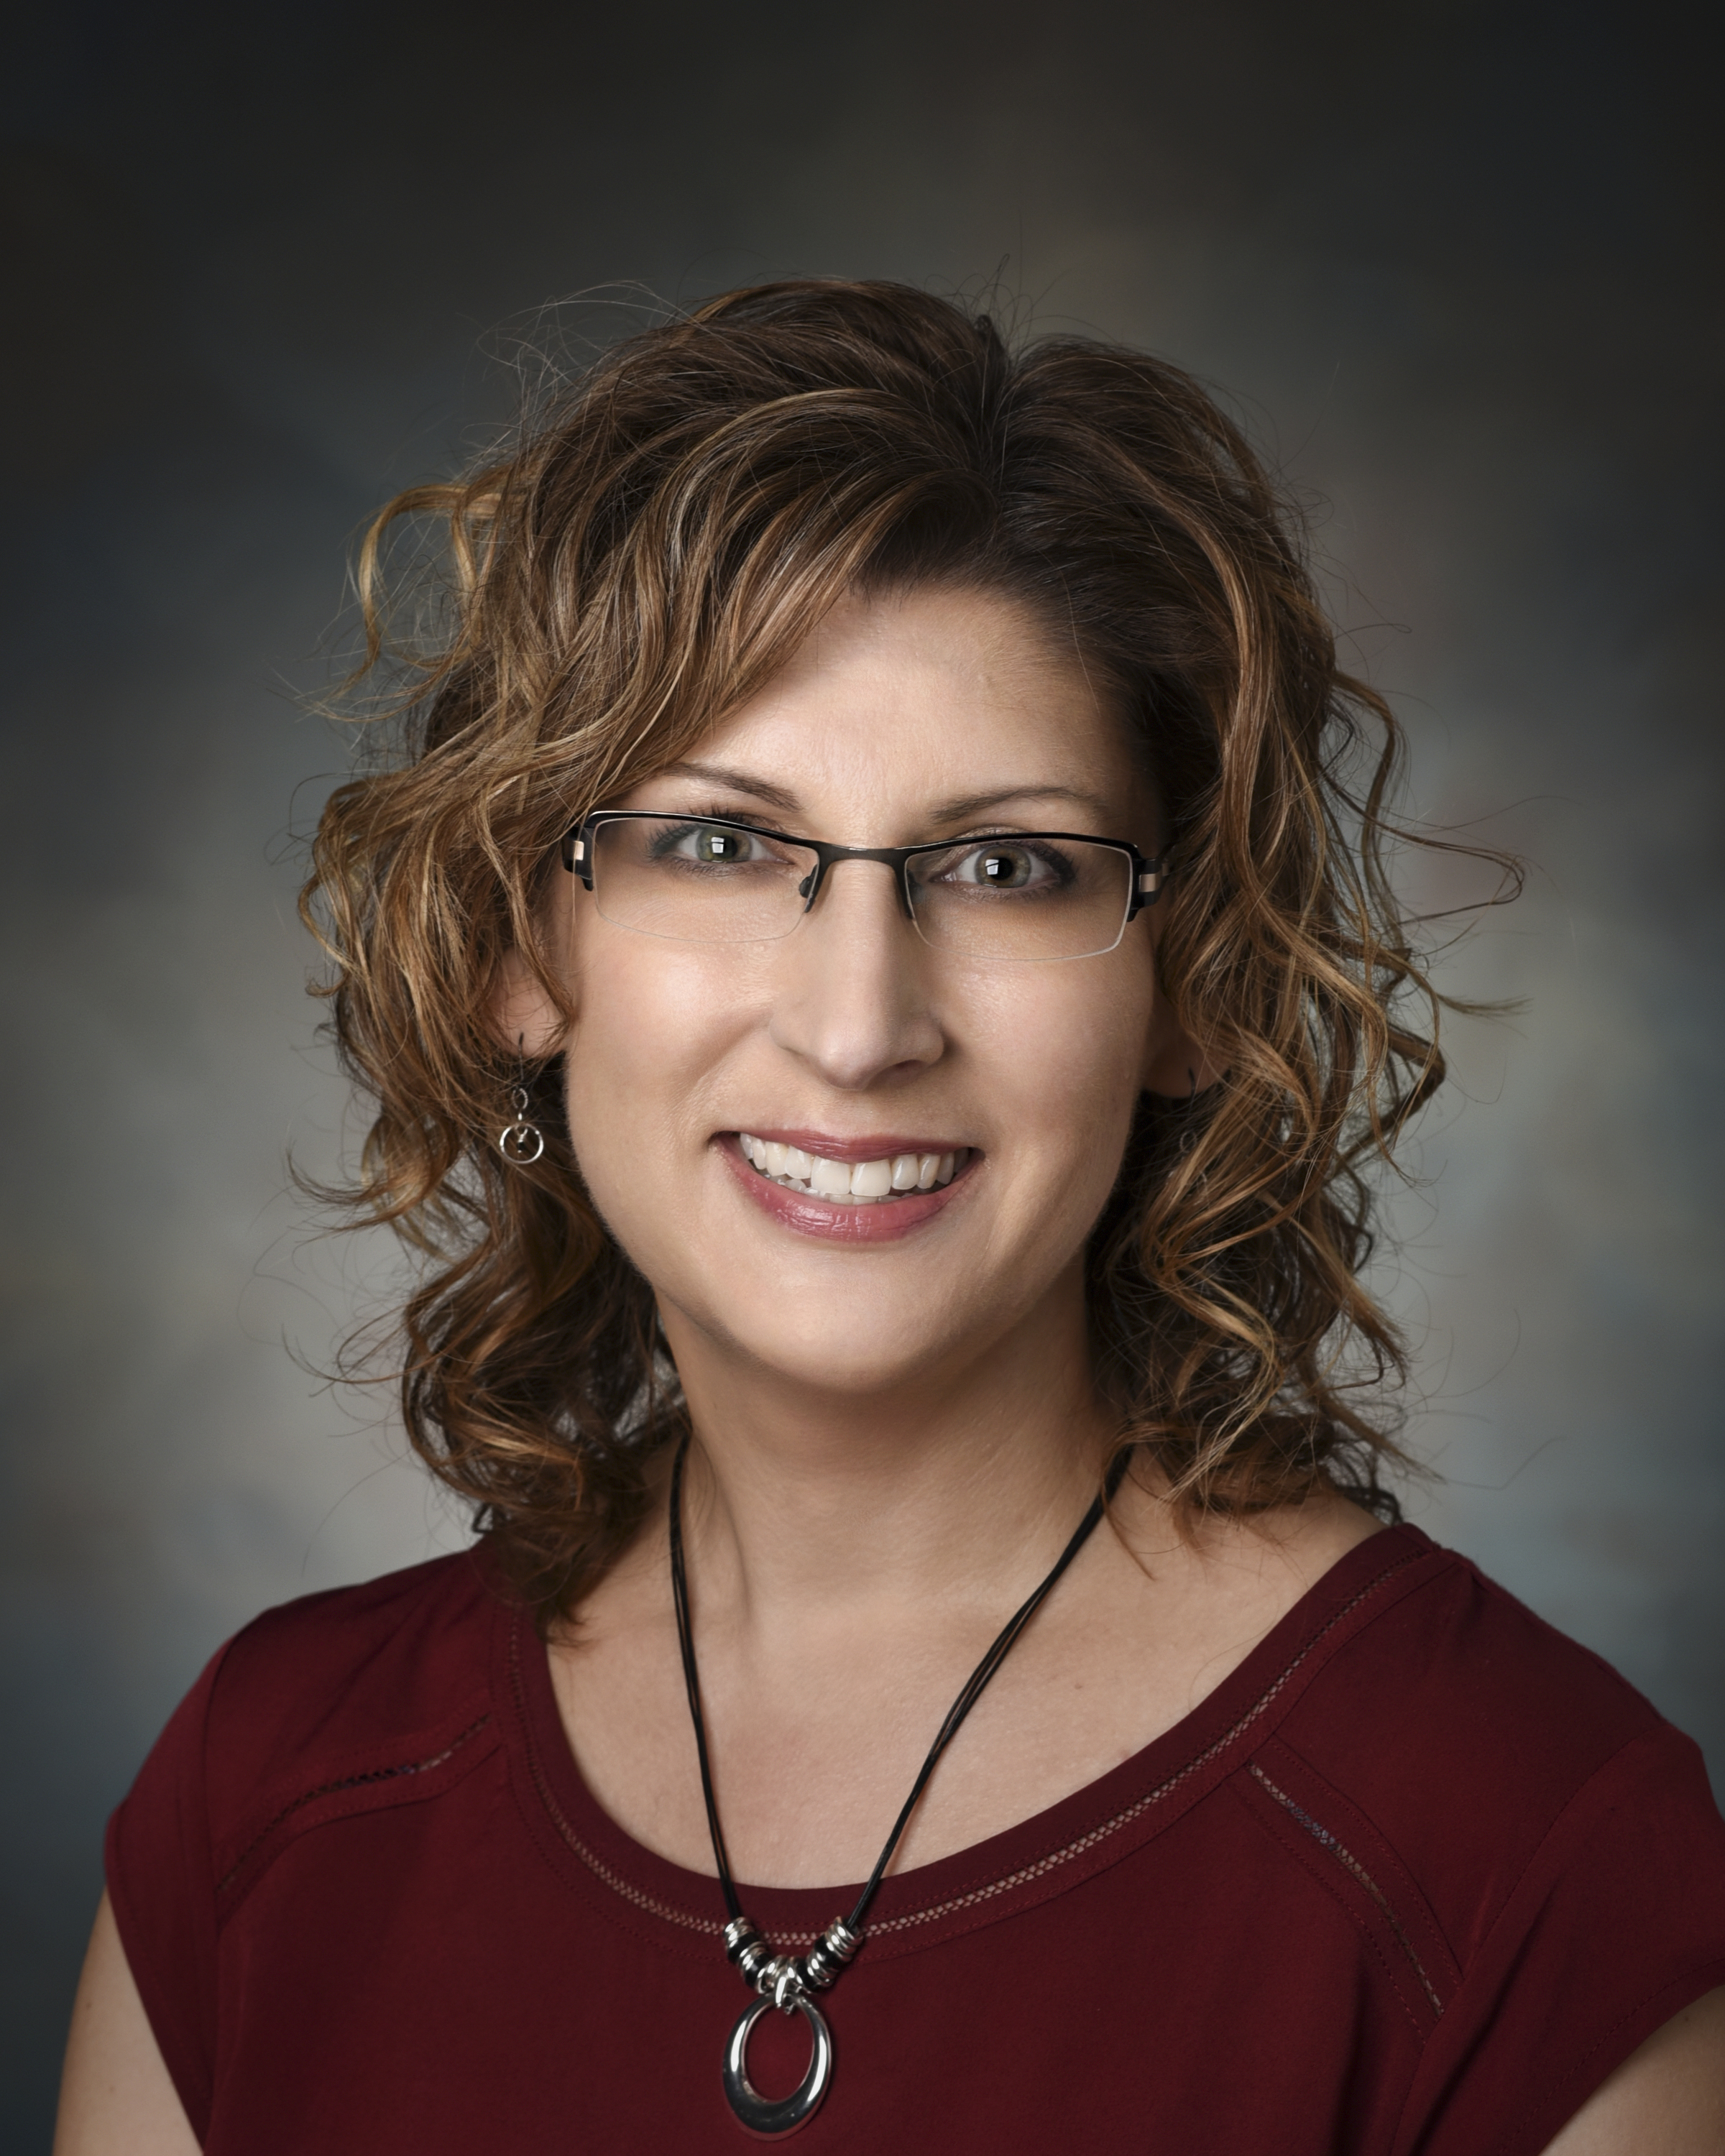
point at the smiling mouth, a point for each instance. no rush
(851, 1182)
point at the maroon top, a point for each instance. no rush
(1414, 1877)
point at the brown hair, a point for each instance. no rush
(661, 534)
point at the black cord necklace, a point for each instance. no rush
(787, 1981)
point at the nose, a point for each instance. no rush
(852, 999)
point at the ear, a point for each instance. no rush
(1174, 1062)
(523, 1016)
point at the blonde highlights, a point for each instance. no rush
(659, 537)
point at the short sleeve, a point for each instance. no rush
(1617, 1923)
(161, 1887)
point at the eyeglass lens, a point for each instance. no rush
(1014, 899)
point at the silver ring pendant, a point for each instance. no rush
(768, 2118)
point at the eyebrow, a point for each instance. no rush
(963, 805)
(739, 781)
(959, 809)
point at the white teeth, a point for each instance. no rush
(863, 1183)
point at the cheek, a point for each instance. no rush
(1064, 1052)
(647, 1040)
(628, 1051)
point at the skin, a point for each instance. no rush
(893, 1439)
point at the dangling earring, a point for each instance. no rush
(522, 1141)
(1189, 1137)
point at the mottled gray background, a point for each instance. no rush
(1457, 263)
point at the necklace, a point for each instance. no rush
(787, 1981)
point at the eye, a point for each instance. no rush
(723, 846)
(1004, 864)
(712, 845)
(1002, 868)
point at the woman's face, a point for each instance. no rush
(933, 716)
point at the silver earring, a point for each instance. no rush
(522, 1141)
(1189, 1137)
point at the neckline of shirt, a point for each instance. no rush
(1044, 1855)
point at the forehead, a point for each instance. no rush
(898, 702)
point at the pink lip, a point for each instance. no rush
(854, 1149)
(838, 1223)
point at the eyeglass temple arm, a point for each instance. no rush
(1147, 883)
(578, 853)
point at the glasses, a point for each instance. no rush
(1022, 898)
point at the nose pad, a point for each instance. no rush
(815, 882)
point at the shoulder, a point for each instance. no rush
(1542, 1844)
(339, 1703)
(391, 1623)
(1455, 1652)
(1454, 1664)
(1487, 1748)
(333, 1684)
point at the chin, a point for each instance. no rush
(826, 1350)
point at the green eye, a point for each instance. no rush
(1003, 868)
(722, 846)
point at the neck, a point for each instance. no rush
(950, 1488)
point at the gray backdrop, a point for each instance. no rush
(1451, 260)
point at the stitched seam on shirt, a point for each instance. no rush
(347, 1781)
(1328, 1878)
(1026, 1874)
(1544, 1842)
(1351, 1864)
(1134, 1811)
(1659, 1993)
(602, 1871)
(1570, 1804)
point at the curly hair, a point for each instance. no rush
(661, 533)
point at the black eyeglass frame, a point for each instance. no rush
(1147, 874)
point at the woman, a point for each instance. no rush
(879, 999)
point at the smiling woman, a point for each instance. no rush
(877, 980)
